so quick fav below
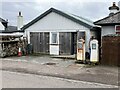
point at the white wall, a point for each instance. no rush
(19, 22)
(108, 30)
(1, 26)
(54, 22)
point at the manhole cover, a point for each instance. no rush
(50, 63)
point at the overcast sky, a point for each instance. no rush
(92, 10)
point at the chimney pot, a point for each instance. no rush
(19, 13)
(113, 9)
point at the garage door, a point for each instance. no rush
(40, 42)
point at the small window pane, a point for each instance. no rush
(54, 37)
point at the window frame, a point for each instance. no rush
(56, 39)
(116, 29)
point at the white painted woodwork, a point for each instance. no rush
(2, 26)
(54, 48)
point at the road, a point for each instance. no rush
(61, 68)
(21, 80)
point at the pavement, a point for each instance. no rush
(62, 68)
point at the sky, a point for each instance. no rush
(90, 9)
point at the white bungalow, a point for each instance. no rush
(56, 32)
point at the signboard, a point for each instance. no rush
(117, 29)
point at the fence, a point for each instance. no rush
(111, 50)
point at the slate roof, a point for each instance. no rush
(10, 29)
(109, 20)
(75, 18)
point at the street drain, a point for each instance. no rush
(50, 63)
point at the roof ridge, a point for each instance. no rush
(81, 20)
(106, 17)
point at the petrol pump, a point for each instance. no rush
(81, 49)
(94, 54)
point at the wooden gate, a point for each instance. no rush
(68, 42)
(40, 42)
(111, 50)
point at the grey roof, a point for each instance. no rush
(80, 20)
(85, 20)
(10, 29)
(109, 20)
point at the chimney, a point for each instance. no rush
(113, 9)
(19, 21)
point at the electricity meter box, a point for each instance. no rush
(94, 55)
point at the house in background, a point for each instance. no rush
(7, 30)
(11, 37)
(56, 32)
(110, 35)
(111, 23)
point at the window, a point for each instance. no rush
(54, 38)
(117, 29)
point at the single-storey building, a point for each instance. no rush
(56, 32)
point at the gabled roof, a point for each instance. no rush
(80, 20)
(109, 20)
